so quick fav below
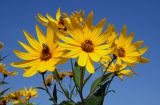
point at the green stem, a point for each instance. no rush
(109, 64)
(108, 86)
(92, 74)
(79, 91)
(60, 84)
(81, 83)
(46, 89)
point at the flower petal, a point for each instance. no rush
(90, 66)
(82, 60)
(31, 71)
(40, 35)
(24, 64)
(32, 41)
(26, 56)
(95, 57)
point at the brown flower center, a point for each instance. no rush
(121, 52)
(46, 54)
(87, 46)
(61, 23)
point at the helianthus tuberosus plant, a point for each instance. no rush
(89, 48)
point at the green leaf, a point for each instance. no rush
(101, 90)
(2, 92)
(67, 103)
(93, 100)
(55, 93)
(41, 88)
(99, 81)
(98, 97)
(77, 74)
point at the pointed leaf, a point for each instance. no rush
(55, 93)
(99, 81)
(2, 92)
(41, 88)
(67, 103)
(77, 74)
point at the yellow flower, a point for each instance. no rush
(84, 43)
(4, 100)
(70, 74)
(50, 78)
(32, 92)
(50, 21)
(16, 96)
(1, 45)
(79, 16)
(5, 72)
(119, 70)
(127, 51)
(41, 55)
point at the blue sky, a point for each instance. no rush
(140, 16)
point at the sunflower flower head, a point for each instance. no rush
(5, 72)
(119, 70)
(16, 96)
(79, 16)
(4, 100)
(32, 92)
(85, 43)
(128, 52)
(48, 80)
(49, 21)
(40, 56)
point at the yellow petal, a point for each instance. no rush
(143, 60)
(97, 30)
(51, 18)
(126, 72)
(57, 54)
(90, 66)
(31, 71)
(42, 66)
(124, 30)
(50, 37)
(40, 35)
(44, 21)
(99, 40)
(26, 56)
(82, 60)
(138, 43)
(26, 47)
(24, 64)
(32, 41)
(118, 61)
(68, 47)
(72, 31)
(102, 47)
(90, 19)
(134, 53)
(129, 39)
(58, 14)
(95, 57)
(68, 40)
(142, 50)
(131, 59)
(72, 54)
(122, 37)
